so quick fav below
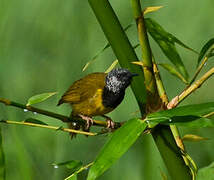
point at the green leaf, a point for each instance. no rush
(193, 138)
(39, 98)
(204, 50)
(188, 116)
(173, 71)
(72, 165)
(2, 160)
(196, 109)
(119, 143)
(166, 41)
(35, 121)
(206, 173)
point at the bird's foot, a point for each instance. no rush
(110, 123)
(89, 121)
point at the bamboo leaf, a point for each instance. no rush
(2, 159)
(196, 110)
(36, 121)
(206, 173)
(72, 165)
(174, 72)
(119, 143)
(112, 66)
(151, 9)
(193, 138)
(188, 116)
(39, 98)
(167, 41)
(204, 49)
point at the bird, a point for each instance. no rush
(97, 94)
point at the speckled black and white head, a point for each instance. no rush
(118, 80)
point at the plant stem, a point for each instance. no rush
(153, 100)
(171, 153)
(52, 114)
(199, 69)
(121, 46)
(80, 170)
(49, 127)
(192, 88)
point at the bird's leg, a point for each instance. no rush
(89, 120)
(110, 123)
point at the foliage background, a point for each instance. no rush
(43, 48)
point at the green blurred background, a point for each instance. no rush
(43, 48)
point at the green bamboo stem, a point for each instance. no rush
(52, 114)
(171, 153)
(153, 101)
(178, 99)
(154, 86)
(125, 55)
(120, 45)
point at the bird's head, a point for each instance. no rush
(119, 79)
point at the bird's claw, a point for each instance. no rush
(89, 121)
(110, 123)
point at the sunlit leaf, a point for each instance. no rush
(112, 66)
(2, 159)
(171, 69)
(166, 41)
(151, 9)
(140, 63)
(35, 121)
(72, 165)
(193, 138)
(119, 143)
(204, 50)
(39, 98)
(206, 173)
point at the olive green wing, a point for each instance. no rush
(84, 88)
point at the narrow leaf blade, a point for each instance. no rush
(112, 66)
(193, 138)
(151, 9)
(119, 143)
(204, 49)
(173, 71)
(167, 44)
(39, 98)
(72, 165)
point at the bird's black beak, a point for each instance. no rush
(134, 74)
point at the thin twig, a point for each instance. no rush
(199, 69)
(49, 127)
(80, 170)
(52, 114)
